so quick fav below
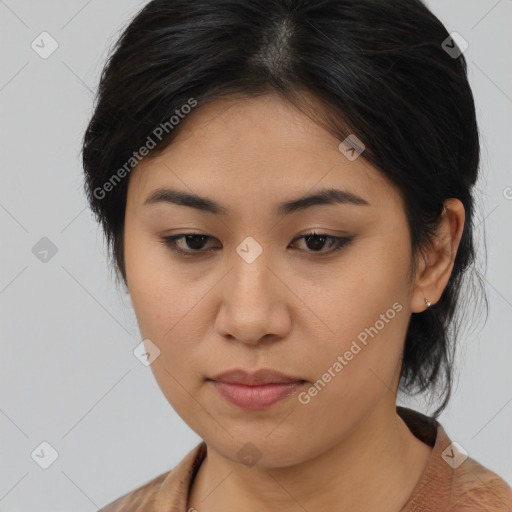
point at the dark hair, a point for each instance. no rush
(374, 68)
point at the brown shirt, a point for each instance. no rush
(450, 482)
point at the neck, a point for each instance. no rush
(376, 466)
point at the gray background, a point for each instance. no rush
(68, 374)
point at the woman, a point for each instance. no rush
(286, 187)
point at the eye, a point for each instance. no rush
(317, 241)
(194, 243)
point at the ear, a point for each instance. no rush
(435, 266)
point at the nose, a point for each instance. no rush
(254, 305)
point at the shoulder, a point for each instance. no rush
(476, 487)
(168, 491)
(142, 498)
(452, 481)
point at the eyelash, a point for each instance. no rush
(170, 242)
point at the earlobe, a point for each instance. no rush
(437, 262)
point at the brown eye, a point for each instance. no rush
(317, 241)
(193, 244)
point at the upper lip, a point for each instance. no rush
(258, 377)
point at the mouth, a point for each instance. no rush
(256, 378)
(257, 390)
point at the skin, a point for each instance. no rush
(290, 309)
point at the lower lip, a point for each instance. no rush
(255, 397)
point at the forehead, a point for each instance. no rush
(266, 125)
(247, 148)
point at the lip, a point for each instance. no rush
(256, 378)
(257, 390)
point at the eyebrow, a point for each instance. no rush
(322, 197)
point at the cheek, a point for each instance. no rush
(166, 304)
(164, 311)
(159, 294)
(362, 288)
(358, 370)
(365, 307)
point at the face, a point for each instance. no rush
(251, 290)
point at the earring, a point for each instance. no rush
(428, 303)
